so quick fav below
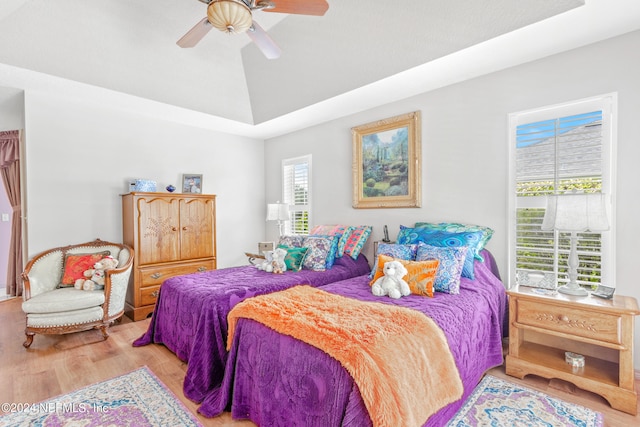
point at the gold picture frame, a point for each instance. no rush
(387, 163)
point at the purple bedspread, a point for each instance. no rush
(190, 317)
(276, 380)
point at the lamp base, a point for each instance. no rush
(573, 290)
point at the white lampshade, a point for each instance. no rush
(576, 212)
(230, 16)
(278, 212)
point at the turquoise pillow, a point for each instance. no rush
(444, 239)
(295, 257)
(450, 267)
(455, 227)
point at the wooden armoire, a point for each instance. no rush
(171, 234)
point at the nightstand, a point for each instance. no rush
(542, 327)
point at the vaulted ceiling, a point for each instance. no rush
(130, 47)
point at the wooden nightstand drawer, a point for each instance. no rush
(575, 322)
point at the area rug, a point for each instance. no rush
(495, 402)
(135, 399)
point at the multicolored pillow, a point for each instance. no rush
(76, 264)
(294, 258)
(353, 240)
(455, 227)
(319, 249)
(421, 275)
(328, 230)
(450, 267)
(292, 240)
(406, 252)
(444, 239)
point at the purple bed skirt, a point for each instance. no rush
(190, 316)
(275, 380)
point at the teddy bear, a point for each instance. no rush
(274, 261)
(94, 277)
(392, 282)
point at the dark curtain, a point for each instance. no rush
(10, 172)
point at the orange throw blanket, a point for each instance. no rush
(398, 357)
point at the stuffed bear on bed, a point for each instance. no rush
(392, 283)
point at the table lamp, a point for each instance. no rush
(575, 212)
(278, 212)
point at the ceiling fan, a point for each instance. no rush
(236, 16)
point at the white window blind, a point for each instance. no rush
(557, 150)
(296, 190)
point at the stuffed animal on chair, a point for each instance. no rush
(94, 277)
(392, 283)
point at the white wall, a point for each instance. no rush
(465, 149)
(80, 155)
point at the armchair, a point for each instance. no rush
(52, 309)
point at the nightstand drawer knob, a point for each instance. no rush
(156, 275)
(155, 294)
(202, 268)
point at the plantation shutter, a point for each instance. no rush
(556, 155)
(296, 185)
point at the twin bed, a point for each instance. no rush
(272, 376)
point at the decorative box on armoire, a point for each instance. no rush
(171, 235)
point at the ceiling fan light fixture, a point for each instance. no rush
(230, 16)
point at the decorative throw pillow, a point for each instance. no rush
(406, 252)
(421, 275)
(444, 239)
(292, 240)
(319, 249)
(357, 237)
(294, 258)
(450, 267)
(328, 230)
(454, 227)
(76, 264)
(333, 251)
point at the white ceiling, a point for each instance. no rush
(360, 54)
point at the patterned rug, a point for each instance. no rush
(495, 402)
(134, 399)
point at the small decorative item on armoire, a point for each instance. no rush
(170, 188)
(144, 185)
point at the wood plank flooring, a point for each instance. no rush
(56, 365)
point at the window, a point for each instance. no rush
(554, 150)
(296, 191)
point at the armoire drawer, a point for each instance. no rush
(154, 276)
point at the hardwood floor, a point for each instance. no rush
(56, 365)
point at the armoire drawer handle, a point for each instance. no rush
(156, 275)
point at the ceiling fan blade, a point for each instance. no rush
(264, 42)
(195, 34)
(300, 7)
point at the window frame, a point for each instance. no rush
(288, 229)
(607, 103)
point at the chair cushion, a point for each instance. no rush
(67, 318)
(63, 299)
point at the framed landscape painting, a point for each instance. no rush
(387, 163)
